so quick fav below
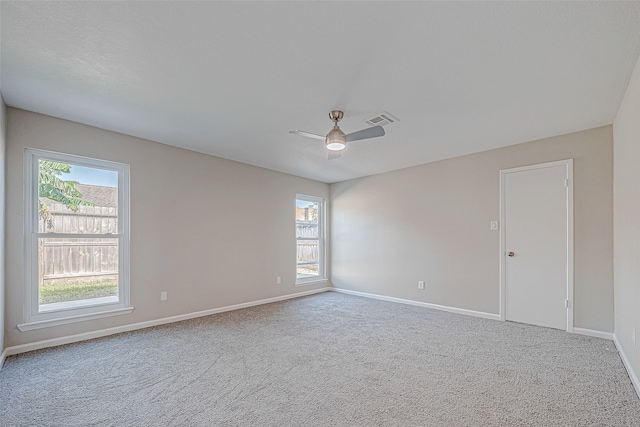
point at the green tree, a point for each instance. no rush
(314, 211)
(53, 187)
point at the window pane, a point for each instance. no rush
(308, 261)
(306, 219)
(77, 272)
(76, 199)
(309, 239)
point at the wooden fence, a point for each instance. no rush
(78, 259)
(307, 250)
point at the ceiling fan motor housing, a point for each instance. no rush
(336, 116)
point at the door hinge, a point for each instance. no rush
(566, 303)
(567, 182)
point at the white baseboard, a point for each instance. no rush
(627, 365)
(23, 348)
(593, 333)
(421, 304)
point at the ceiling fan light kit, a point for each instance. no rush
(336, 140)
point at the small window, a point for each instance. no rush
(77, 238)
(309, 239)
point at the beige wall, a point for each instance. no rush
(431, 222)
(626, 191)
(228, 229)
(3, 131)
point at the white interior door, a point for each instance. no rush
(537, 244)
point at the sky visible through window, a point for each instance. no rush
(303, 203)
(92, 176)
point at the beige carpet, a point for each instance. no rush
(324, 360)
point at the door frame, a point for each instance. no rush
(568, 164)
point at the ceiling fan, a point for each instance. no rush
(336, 140)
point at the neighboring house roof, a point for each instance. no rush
(98, 195)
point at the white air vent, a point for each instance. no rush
(381, 119)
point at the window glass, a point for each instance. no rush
(309, 238)
(74, 199)
(77, 272)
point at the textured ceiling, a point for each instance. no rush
(232, 78)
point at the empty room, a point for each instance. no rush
(328, 213)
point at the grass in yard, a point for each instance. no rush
(311, 270)
(71, 291)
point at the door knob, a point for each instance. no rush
(511, 254)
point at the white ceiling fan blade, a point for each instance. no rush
(307, 134)
(372, 132)
(333, 155)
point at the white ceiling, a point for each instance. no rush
(232, 78)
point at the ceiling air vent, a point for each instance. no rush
(381, 119)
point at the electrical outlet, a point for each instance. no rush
(163, 296)
(420, 284)
(278, 280)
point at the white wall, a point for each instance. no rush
(210, 231)
(431, 222)
(3, 131)
(626, 191)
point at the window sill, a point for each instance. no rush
(311, 282)
(82, 303)
(30, 326)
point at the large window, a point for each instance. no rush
(76, 239)
(309, 239)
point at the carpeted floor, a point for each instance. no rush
(325, 360)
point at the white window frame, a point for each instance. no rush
(322, 277)
(33, 318)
